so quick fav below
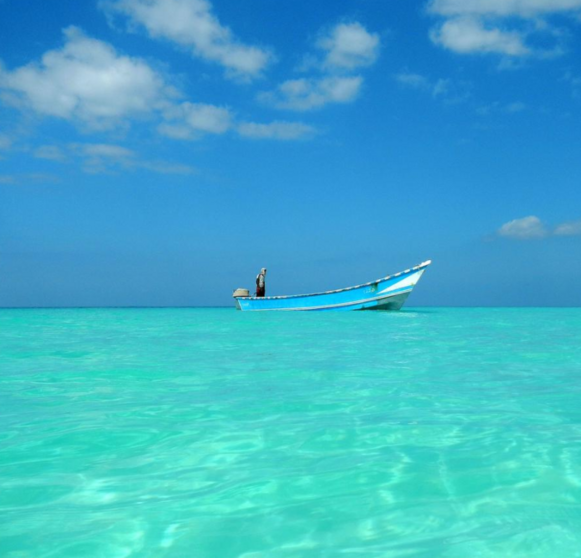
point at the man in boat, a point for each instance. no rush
(261, 282)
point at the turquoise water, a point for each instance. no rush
(215, 433)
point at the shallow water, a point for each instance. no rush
(215, 433)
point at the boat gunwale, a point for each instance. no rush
(407, 271)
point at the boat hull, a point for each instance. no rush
(388, 293)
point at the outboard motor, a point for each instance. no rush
(240, 293)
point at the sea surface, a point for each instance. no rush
(194, 433)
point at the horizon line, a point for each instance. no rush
(115, 307)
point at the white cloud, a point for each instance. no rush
(530, 228)
(275, 130)
(192, 120)
(468, 35)
(87, 81)
(308, 94)
(192, 24)
(503, 27)
(349, 46)
(527, 228)
(572, 228)
(207, 118)
(346, 47)
(522, 8)
(202, 117)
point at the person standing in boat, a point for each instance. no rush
(261, 282)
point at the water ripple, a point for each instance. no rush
(212, 433)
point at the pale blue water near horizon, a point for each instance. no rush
(175, 433)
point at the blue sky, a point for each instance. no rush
(160, 152)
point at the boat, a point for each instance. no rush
(387, 293)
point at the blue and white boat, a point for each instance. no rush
(388, 293)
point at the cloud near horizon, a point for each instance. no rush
(532, 228)
(503, 27)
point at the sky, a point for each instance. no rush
(160, 152)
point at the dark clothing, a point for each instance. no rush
(260, 284)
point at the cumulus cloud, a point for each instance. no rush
(86, 80)
(502, 27)
(349, 46)
(307, 94)
(276, 130)
(335, 77)
(523, 229)
(531, 228)
(193, 25)
(468, 35)
(192, 120)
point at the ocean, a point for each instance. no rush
(211, 433)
